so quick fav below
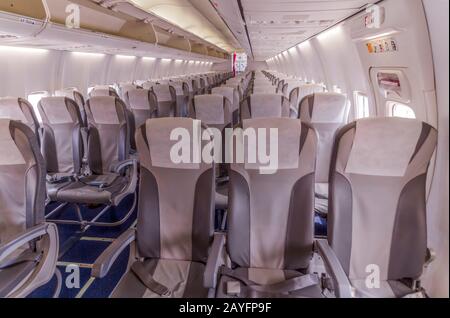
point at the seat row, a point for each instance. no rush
(266, 247)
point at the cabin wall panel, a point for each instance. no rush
(437, 276)
(23, 71)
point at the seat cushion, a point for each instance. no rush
(388, 289)
(183, 278)
(82, 192)
(268, 277)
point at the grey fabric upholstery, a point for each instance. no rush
(103, 91)
(61, 142)
(22, 207)
(265, 105)
(74, 94)
(108, 143)
(213, 111)
(326, 113)
(19, 109)
(183, 278)
(173, 231)
(138, 101)
(233, 96)
(377, 216)
(164, 99)
(270, 218)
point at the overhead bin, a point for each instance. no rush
(21, 18)
(101, 28)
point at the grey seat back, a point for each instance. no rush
(61, 142)
(138, 102)
(103, 91)
(173, 227)
(164, 99)
(109, 133)
(265, 105)
(74, 94)
(326, 112)
(297, 95)
(22, 180)
(377, 200)
(19, 109)
(213, 111)
(230, 93)
(270, 223)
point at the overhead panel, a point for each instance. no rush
(276, 25)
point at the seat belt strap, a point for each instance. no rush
(253, 289)
(139, 270)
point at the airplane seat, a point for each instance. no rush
(271, 228)
(124, 88)
(19, 109)
(215, 111)
(173, 232)
(164, 100)
(28, 245)
(327, 113)
(138, 102)
(103, 91)
(75, 95)
(61, 142)
(377, 207)
(264, 105)
(182, 96)
(233, 96)
(113, 175)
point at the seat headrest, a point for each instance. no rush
(165, 133)
(138, 99)
(283, 133)
(10, 154)
(266, 105)
(10, 109)
(103, 110)
(329, 108)
(210, 109)
(162, 92)
(228, 92)
(383, 146)
(55, 110)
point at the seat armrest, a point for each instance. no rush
(29, 235)
(119, 166)
(106, 260)
(342, 286)
(214, 261)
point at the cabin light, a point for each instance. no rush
(330, 33)
(125, 56)
(17, 49)
(165, 60)
(148, 58)
(379, 35)
(88, 54)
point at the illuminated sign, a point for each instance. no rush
(382, 46)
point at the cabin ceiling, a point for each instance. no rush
(274, 26)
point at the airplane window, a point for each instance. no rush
(400, 110)
(361, 105)
(34, 99)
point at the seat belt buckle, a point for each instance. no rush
(233, 288)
